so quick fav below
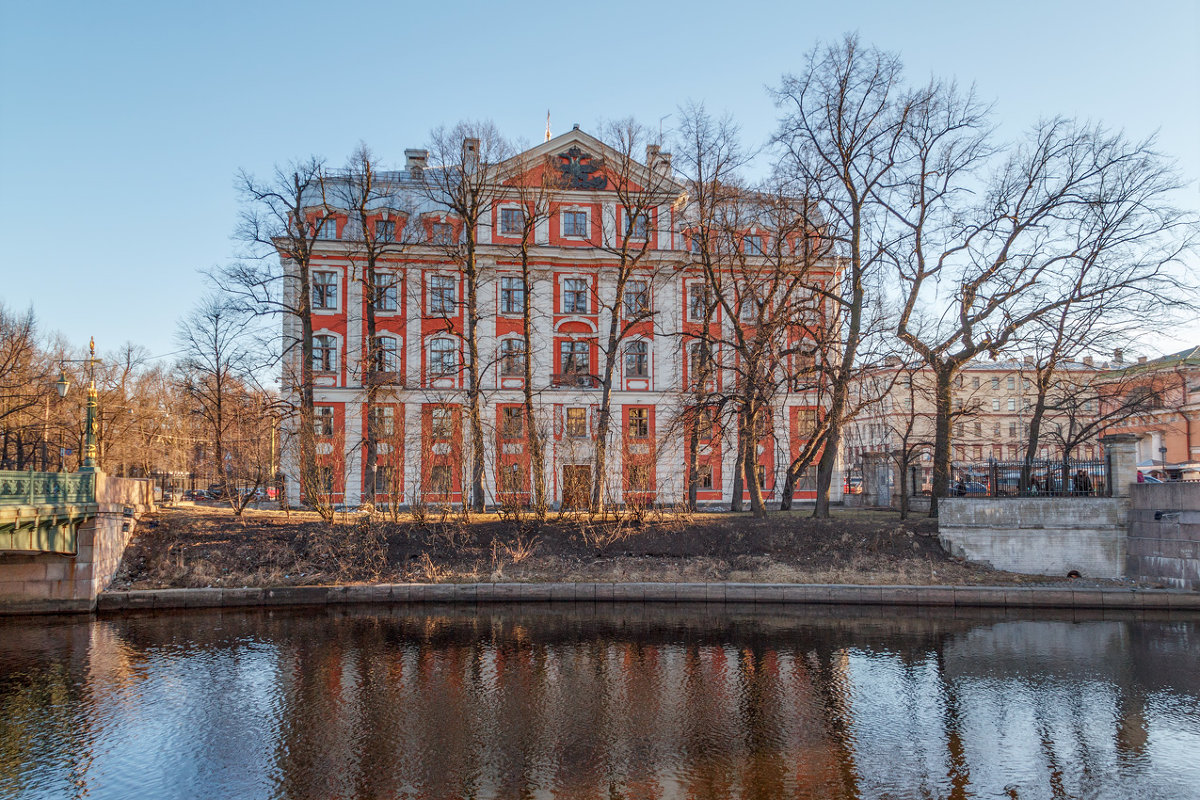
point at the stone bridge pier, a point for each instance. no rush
(62, 536)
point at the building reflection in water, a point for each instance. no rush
(585, 702)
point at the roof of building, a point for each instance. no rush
(1184, 358)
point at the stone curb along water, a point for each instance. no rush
(757, 593)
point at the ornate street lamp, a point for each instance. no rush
(92, 426)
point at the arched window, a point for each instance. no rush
(512, 357)
(385, 354)
(443, 357)
(324, 356)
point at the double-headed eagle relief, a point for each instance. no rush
(580, 170)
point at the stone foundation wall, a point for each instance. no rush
(46, 582)
(1164, 534)
(1038, 535)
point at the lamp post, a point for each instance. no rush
(92, 425)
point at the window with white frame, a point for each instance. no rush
(383, 421)
(637, 226)
(1012, 404)
(637, 299)
(637, 359)
(323, 420)
(700, 362)
(327, 228)
(441, 233)
(637, 423)
(575, 296)
(442, 295)
(698, 300)
(512, 357)
(995, 382)
(385, 230)
(385, 353)
(512, 295)
(574, 358)
(387, 292)
(512, 221)
(754, 245)
(575, 224)
(1012, 382)
(325, 290)
(995, 404)
(443, 357)
(325, 352)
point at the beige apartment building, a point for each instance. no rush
(992, 404)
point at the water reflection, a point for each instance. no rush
(592, 702)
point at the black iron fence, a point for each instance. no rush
(1036, 479)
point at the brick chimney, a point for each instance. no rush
(416, 160)
(1141, 359)
(1088, 361)
(1118, 357)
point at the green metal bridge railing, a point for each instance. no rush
(46, 488)
(40, 512)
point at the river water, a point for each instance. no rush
(625, 701)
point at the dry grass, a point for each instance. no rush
(193, 547)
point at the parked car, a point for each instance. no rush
(967, 487)
(1143, 478)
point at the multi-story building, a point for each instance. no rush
(419, 412)
(992, 404)
(1163, 398)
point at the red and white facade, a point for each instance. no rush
(422, 423)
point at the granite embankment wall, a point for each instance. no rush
(1164, 534)
(48, 582)
(1038, 535)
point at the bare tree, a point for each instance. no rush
(1072, 215)
(376, 234)
(841, 127)
(643, 191)
(284, 217)
(460, 179)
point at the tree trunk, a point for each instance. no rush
(735, 503)
(693, 458)
(943, 374)
(308, 448)
(788, 491)
(537, 458)
(750, 465)
(825, 469)
(903, 489)
(371, 374)
(474, 375)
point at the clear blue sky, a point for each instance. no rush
(122, 124)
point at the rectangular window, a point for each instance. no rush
(1012, 404)
(324, 353)
(1012, 382)
(383, 421)
(575, 223)
(325, 290)
(385, 230)
(975, 382)
(327, 228)
(512, 423)
(574, 296)
(760, 472)
(639, 477)
(995, 381)
(439, 480)
(384, 485)
(638, 225)
(441, 233)
(512, 357)
(979, 429)
(323, 420)
(1012, 430)
(512, 221)
(637, 360)
(574, 358)
(512, 295)
(637, 299)
(704, 476)
(637, 423)
(442, 299)
(700, 362)
(698, 300)
(443, 357)
(441, 424)
(577, 423)
(995, 404)
(387, 292)
(754, 246)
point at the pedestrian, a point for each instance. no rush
(961, 488)
(1083, 484)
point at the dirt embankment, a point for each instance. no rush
(200, 546)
